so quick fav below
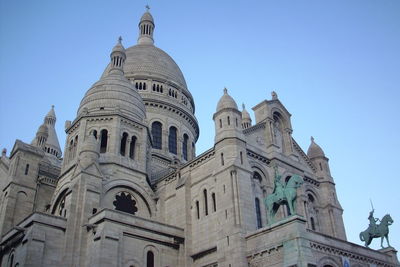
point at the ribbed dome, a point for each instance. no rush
(315, 150)
(226, 101)
(151, 62)
(113, 92)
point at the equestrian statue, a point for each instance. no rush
(376, 230)
(282, 195)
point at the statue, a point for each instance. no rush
(282, 195)
(376, 230)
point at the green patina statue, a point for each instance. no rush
(376, 230)
(282, 195)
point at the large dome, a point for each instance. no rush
(152, 62)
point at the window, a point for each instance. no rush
(257, 176)
(214, 202)
(185, 146)
(222, 159)
(132, 147)
(103, 141)
(198, 209)
(172, 146)
(220, 123)
(258, 213)
(94, 133)
(26, 169)
(125, 202)
(123, 144)
(312, 223)
(205, 202)
(150, 259)
(241, 157)
(156, 131)
(229, 121)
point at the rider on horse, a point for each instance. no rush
(278, 186)
(372, 222)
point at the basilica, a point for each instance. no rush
(129, 189)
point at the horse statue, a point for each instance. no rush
(283, 195)
(377, 230)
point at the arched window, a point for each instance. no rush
(214, 202)
(220, 123)
(172, 146)
(222, 159)
(154, 87)
(132, 147)
(144, 86)
(94, 133)
(312, 223)
(185, 146)
(241, 157)
(156, 132)
(198, 209)
(229, 121)
(103, 141)
(257, 176)
(150, 259)
(205, 202)
(258, 213)
(123, 144)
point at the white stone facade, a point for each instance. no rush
(130, 190)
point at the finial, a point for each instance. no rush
(119, 39)
(274, 95)
(312, 139)
(147, 7)
(4, 152)
(243, 106)
(225, 90)
(52, 106)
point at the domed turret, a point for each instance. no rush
(246, 120)
(228, 119)
(226, 101)
(146, 28)
(315, 151)
(113, 91)
(41, 136)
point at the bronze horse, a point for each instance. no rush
(381, 230)
(287, 196)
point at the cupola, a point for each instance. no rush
(246, 120)
(146, 28)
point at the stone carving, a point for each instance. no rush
(282, 195)
(376, 230)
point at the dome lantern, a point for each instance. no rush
(146, 28)
(118, 57)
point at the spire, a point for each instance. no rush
(51, 146)
(146, 28)
(246, 120)
(118, 57)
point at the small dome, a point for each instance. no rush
(113, 92)
(43, 130)
(118, 47)
(245, 114)
(315, 151)
(147, 17)
(226, 101)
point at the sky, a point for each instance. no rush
(335, 65)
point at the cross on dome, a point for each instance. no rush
(147, 7)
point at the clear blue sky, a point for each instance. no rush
(334, 64)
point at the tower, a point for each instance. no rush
(330, 219)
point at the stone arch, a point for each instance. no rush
(328, 261)
(62, 195)
(142, 196)
(152, 249)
